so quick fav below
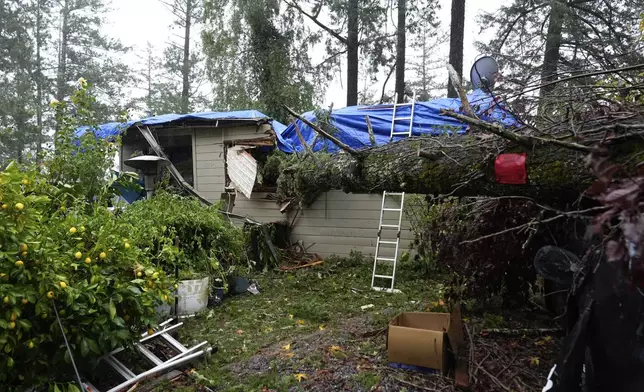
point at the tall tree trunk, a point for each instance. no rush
(400, 50)
(352, 53)
(39, 81)
(149, 80)
(552, 52)
(185, 92)
(456, 42)
(62, 53)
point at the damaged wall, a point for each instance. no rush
(335, 223)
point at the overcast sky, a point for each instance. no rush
(136, 22)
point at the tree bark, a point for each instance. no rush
(464, 166)
(400, 51)
(352, 53)
(39, 80)
(185, 92)
(551, 53)
(456, 42)
(61, 75)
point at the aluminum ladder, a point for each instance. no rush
(389, 243)
(183, 356)
(409, 118)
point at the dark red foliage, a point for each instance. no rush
(622, 224)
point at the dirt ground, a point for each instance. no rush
(307, 331)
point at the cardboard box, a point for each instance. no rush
(420, 339)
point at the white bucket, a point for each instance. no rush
(193, 296)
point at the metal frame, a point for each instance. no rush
(407, 133)
(184, 355)
(379, 241)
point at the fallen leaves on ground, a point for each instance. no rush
(300, 376)
(300, 322)
(534, 361)
(239, 332)
(335, 348)
(287, 347)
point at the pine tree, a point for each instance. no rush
(255, 57)
(183, 71)
(457, 29)
(84, 51)
(538, 40)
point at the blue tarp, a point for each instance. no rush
(110, 130)
(352, 128)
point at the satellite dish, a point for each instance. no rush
(484, 73)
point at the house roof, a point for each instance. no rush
(252, 116)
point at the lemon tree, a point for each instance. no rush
(62, 250)
(102, 299)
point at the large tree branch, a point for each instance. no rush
(527, 141)
(324, 133)
(315, 20)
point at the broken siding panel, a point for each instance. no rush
(258, 208)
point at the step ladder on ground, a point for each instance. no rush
(159, 338)
(388, 242)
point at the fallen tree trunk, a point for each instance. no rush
(456, 166)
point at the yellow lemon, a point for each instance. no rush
(25, 182)
(78, 255)
(23, 254)
(127, 245)
(19, 263)
(88, 261)
(12, 325)
(155, 275)
(4, 206)
(72, 230)
(176, 286)
(63, 285)
(13, 317)
(20, 206)
(102, 255)
(50, 295)
(6, 300)
(139, 274)
(23, 247)
(25, 301)
(82, 229)
(165, 297)
(31, 345)
(150, 331)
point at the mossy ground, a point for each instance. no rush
(307, 323)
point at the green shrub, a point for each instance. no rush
(208, 242)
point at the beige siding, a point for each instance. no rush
(258, 208)
(337, 223)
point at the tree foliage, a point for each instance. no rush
(255, 58)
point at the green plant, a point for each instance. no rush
(208, 244)
(75, 259)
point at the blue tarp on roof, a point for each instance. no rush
(352, 128)
(110, 130)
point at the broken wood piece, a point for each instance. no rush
(317, 262)
(523, 331)
(458, 86)
(372, 137)
(302, 141)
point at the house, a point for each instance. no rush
(201, 146)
